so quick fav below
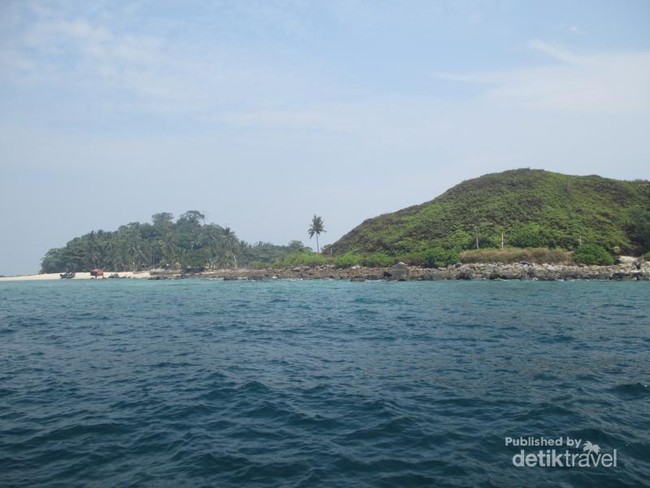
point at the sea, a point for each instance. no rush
(207, 383)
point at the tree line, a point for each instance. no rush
(186, 243)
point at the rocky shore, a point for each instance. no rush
(627, 269)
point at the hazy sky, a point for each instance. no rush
(262, 113)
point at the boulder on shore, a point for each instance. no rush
(397, 272)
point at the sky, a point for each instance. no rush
(263, 113)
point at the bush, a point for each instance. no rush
(529, 235)
(377, 260)
(347, 260)
(592, 254)
(438, 257)
(539, 255)
(310, 259)
(412, 259)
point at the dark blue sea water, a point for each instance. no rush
(320, 383)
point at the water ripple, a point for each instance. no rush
(300, 384)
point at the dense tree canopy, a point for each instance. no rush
(187, 243)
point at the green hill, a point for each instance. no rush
(528, 208)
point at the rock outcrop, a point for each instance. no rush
(628, 269)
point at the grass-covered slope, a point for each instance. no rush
(530, 208)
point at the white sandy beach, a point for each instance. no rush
(78, 276)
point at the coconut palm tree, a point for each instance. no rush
(230, 247)
(590, 448)
(316, 228)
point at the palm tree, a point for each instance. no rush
(316, 227)
(230, 247)
(590, 448)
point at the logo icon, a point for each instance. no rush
(590, 448)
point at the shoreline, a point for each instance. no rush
(629, 270)
(78, 276)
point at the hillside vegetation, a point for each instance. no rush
(526, 208)
(187, 243)
(536, 215)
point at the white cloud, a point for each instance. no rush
(600, 82)
(152, 73)
(555, 52)
(574, 29)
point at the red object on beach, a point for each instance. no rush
(97, 272)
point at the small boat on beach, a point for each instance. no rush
(68, 275)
